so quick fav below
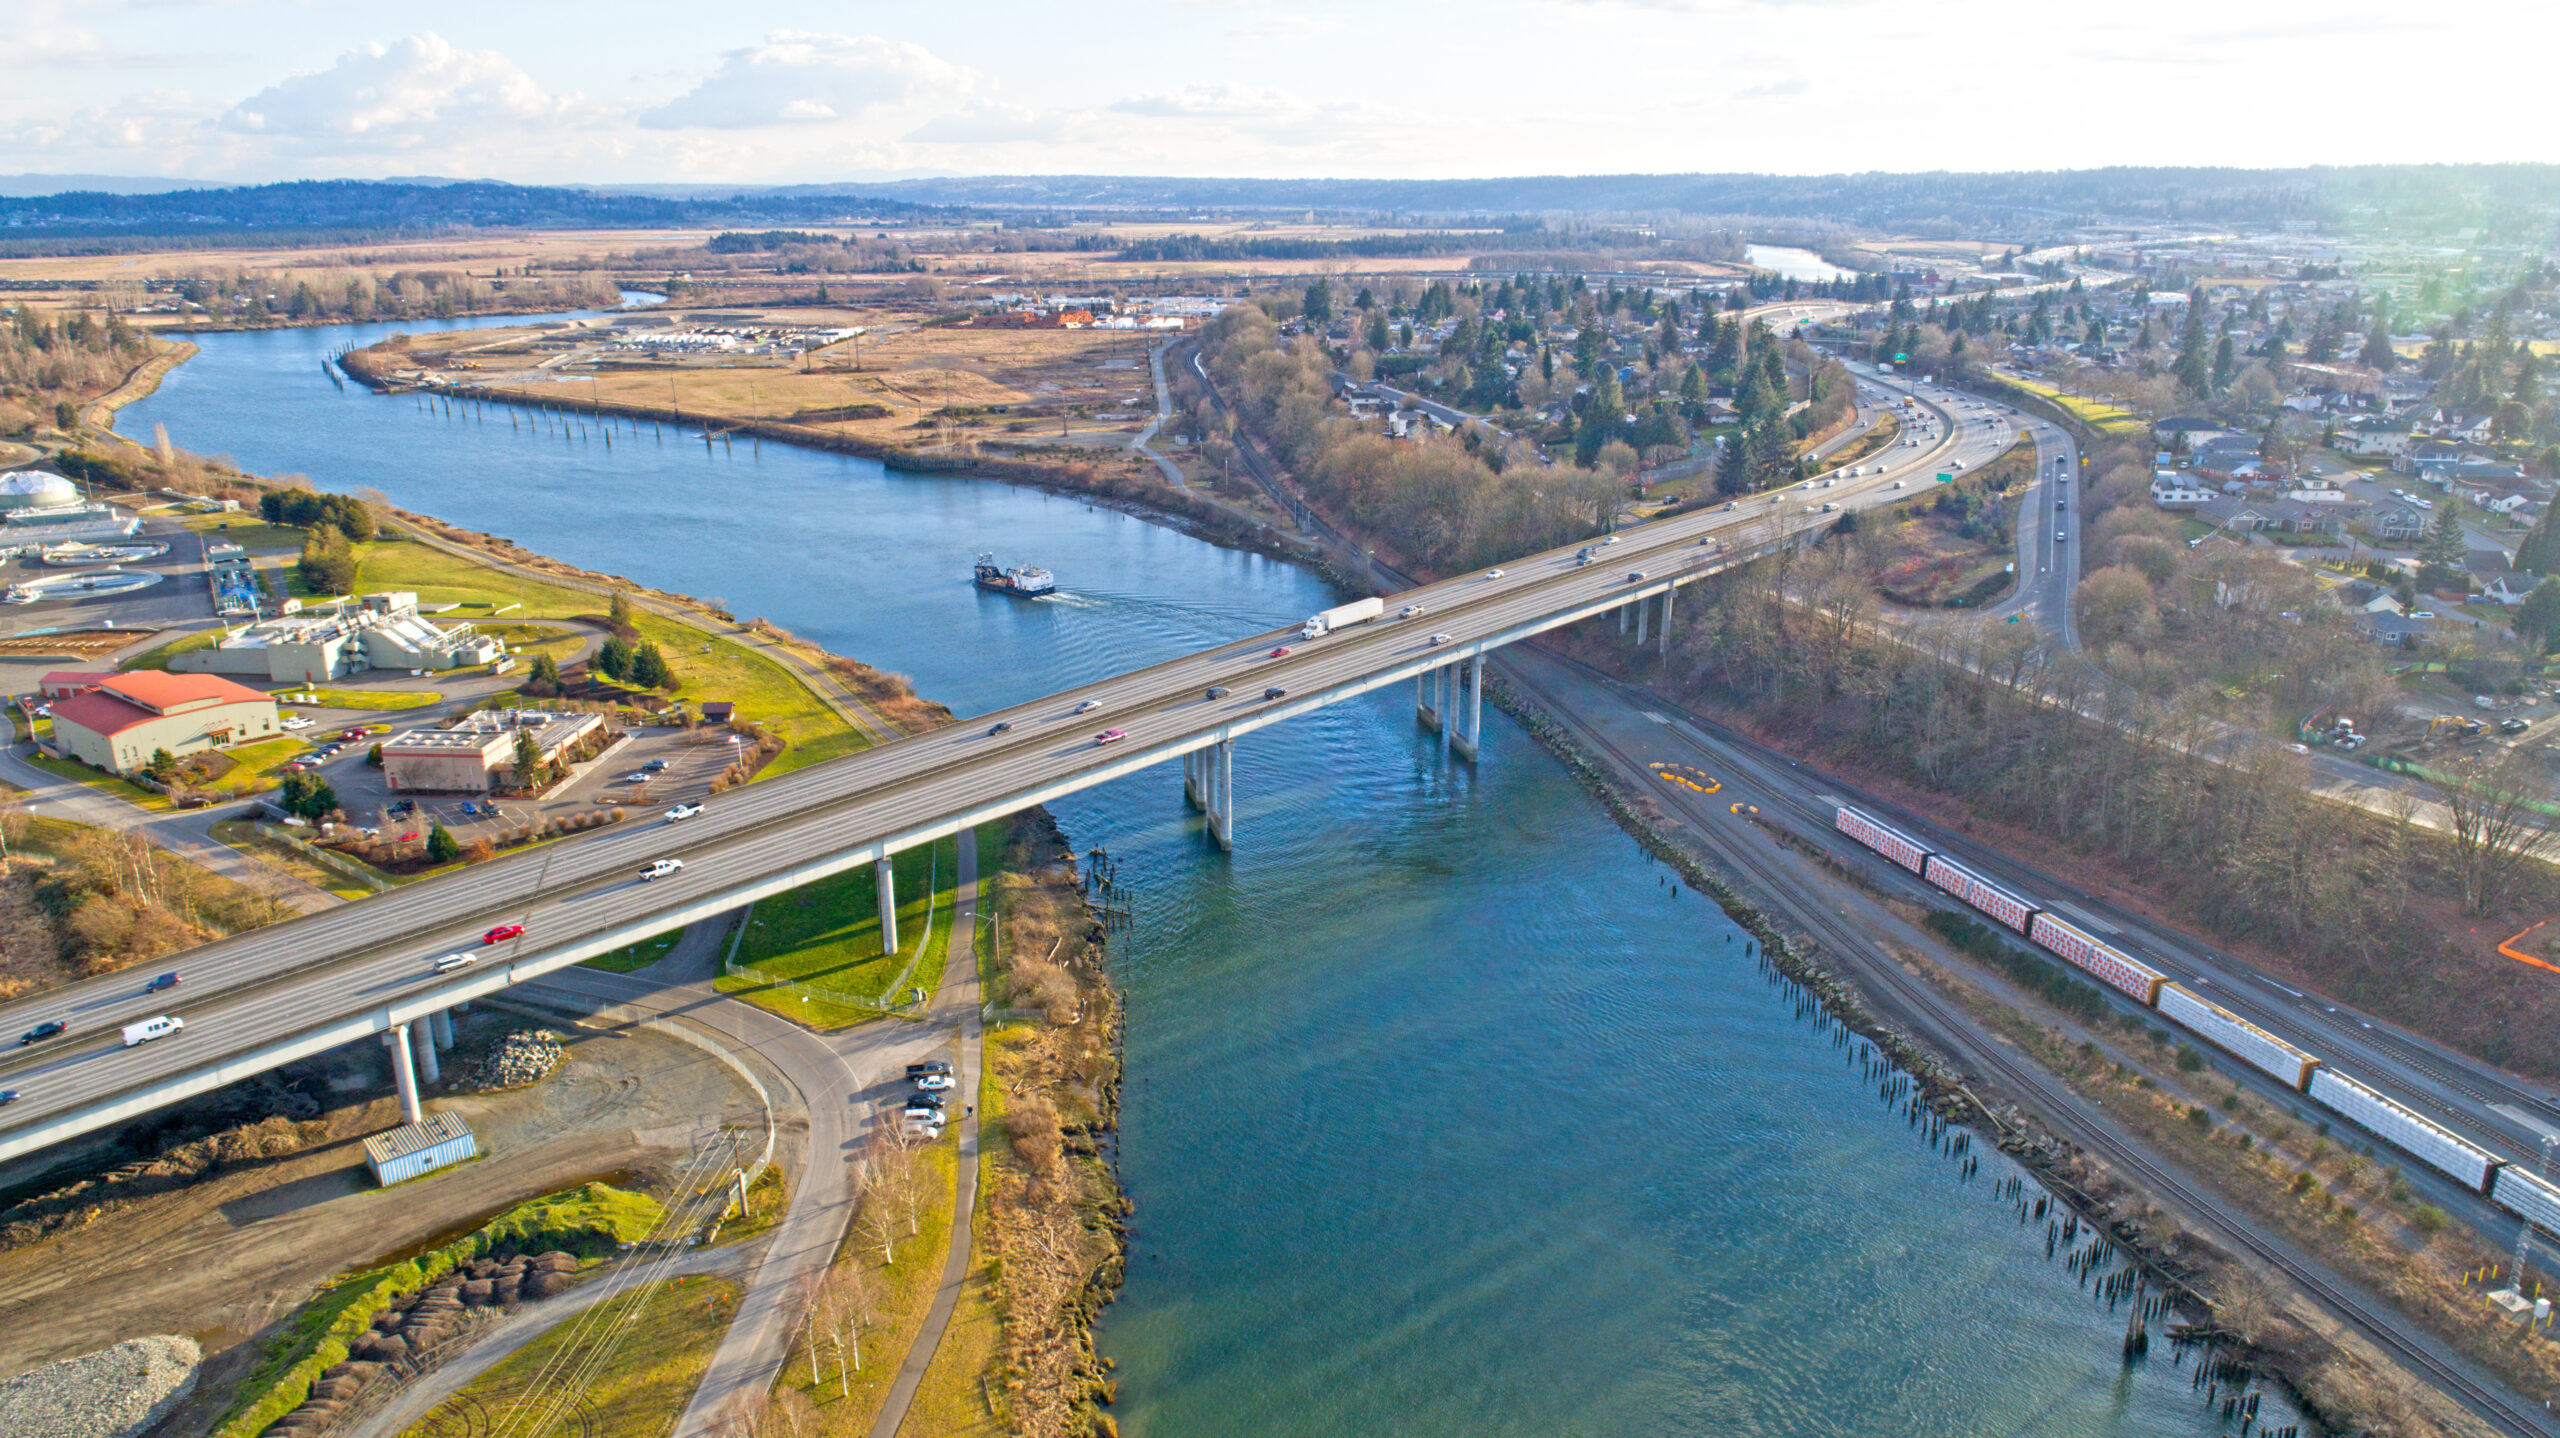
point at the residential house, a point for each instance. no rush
(2172, 490)
(2373, 435)
(2399, 524)
(2511, 587)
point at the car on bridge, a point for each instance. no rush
(502, 933)
(451, 962)
(1219, 691)
(1437, 639)
(661, 868)
(1409, 611)
(1088, 706)
(49, 1029)
(1280, 652)
(1275, 692)
(1110, 736)
(683, 811)
(165, 981)
(1493, 574)
(8, 1096)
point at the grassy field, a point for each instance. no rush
(253, 767)
(159, 658)
(252, 840)
(124, 789)
(636, 956)
(372, 698)
(953, 1400)
(827, 935)
(707, 667)
(654, 1344)
(2096, 414)
(904, 1286)
(254, 535)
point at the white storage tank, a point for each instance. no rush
(438, 1141)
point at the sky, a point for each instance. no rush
(778, 91)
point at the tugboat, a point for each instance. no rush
(1028, 582)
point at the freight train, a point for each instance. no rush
(2527, 1195)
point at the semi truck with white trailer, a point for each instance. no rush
(1342, 616)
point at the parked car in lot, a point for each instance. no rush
(654, 766)
(1110, 736)
(929, 1066)
(165, 981)
(49, 1029)
(924, 1099)
(932, 1083)
(661, 868)
(502, 933)
(684, 811)
(293, 721)
(635, 777)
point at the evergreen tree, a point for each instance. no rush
(2540, 551)
(1319, 304)
(613, 660)
(2440, 559)
(2378, 354)
(528, 762)
(618, 614)
(649, 668)
(442, 847)
(2191, 367)
(163, 765)
(544, 676)
(2538, 618)
(2226, 362)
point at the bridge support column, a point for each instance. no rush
(1666, 620)
(1191, 786)
(888, 880)
(1622, 619)
(403, 1073)
(1426, 700)
(1468, 732)
(440, 1028)
(1222, 794)
(429, 1070)
(1644, 611)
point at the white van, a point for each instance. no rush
(149, 1029)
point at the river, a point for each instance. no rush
(1443, 1116)
(1795, 264)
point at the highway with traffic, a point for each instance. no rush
(268, 997)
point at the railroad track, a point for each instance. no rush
(1810, 910)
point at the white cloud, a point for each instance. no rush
(1785, 89)
(802, 77)
(990, 122)
(419, 91)
(1225, 100)
(40, 33)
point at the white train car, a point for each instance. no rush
(1882, 838)
(2437, 1147)
(2226, 1030)
(2100, 960)
(2528, 1196)
(1980, 892)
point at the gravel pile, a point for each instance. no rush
(523, 1057)
(113, 1393)
(405, 1338)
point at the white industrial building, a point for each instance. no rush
(435, 1141)
(376, 631)
(42, 507)
(469, 757)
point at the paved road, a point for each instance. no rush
(1164, 413)
(271, 995)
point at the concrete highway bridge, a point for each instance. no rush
(368, 971)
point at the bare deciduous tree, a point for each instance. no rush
(2497, 827)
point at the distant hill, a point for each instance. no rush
(15, 186)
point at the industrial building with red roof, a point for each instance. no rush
(118, 725)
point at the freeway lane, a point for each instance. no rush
(309, 984)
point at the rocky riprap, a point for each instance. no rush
(523, 1057)
(406, 1336)
(112, 1393)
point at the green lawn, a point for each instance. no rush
(708, 667)
(159, 658)
(635, 1359)
(254, 766)
(371, 698)
(827, 935)
(124, 789)
(2098, 415)
(250, 533)
(636, 956)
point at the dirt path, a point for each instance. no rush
(225, 1259)
(100, 413)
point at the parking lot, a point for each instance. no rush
(615, 778)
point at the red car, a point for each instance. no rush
(502, 933)
(1280, 653)
(1110, 736)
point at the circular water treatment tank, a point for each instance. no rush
(36, 489)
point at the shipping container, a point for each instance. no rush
(2436, 1147)
(1359, 611)
(2224, 1029)
(2102, 961)
(2529, 1196)
(1980, 892)
(1886, 841)
(438, 1141)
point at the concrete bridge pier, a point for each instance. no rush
(1622, 619)
(440, 1029)
(1222, 794)
(888, 881)
(1426, 700)
(1468, 733)
(1666, 620)
(1194, 789)
(404, 1073)
(1644, 611)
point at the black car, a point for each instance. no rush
(1000, 726)
(654, 766)
(1219, 691)
(165, 981)
(48, 1029)
(924, 1099)
(1275, 692)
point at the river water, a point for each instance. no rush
(1795, 264)
(1443, 1116)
